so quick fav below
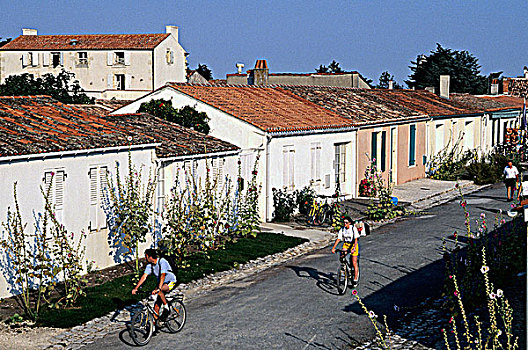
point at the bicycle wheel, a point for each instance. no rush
(342, 279)
(176, 319)
(141, 327)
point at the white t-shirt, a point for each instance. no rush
(511, 173)
(162, 266)
(348, 235)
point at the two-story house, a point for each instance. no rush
(124, 66)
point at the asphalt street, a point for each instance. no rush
(296, 306)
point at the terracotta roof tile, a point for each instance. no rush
(267, 108)
(369, 106)
(488, 103)
(175, 139)
(40, 124)
(86, 42)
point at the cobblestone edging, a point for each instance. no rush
(87, 333)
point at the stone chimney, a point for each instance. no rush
(173, 30)
(29, 31)
(260, 74)
(444, 86)
(391, 84)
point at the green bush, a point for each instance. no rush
(304, 199)
(284, 204)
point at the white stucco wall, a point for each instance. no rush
(169, 72)
(29, 174)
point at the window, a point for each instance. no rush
(98, 191)
(315, 161)
(169, 55)
(160, 190)
(469, 133)
(82, 59)
(56, 59)
(374, 147)
(412, 145)
(288, 167)
(119, 58)
(30, 59)
(383, 155)
(439, 137)
(54, 186)
(120, 81)
(218, 171)
(339, 162)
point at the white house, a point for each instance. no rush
(43, 138)
(299, 142)
(124, 66)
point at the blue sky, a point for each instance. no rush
(298, 36)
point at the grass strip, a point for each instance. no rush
(113, 295)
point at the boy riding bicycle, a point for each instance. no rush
(166, 279)
(349, 235)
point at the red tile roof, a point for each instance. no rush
(488, 103)
(269, 109)
(86, 42)
(40, 124)
(368, 106)
(175, 139)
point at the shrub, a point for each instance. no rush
(284, 204)
(304, 199)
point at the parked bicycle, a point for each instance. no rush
(319, 212)
(145, 320)
(345, 272)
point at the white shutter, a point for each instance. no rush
(103, 186)
(47, 183)
(109, 58)
(93, 198)
(34, 58)
(59, 189)
(45, 58)
(110, 81)
(127, 58)
(318, 162)
(25, 59)
(285, 167)
(61, 58)
(291, 168)
(128, 80)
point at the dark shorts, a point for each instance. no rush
(509, 183)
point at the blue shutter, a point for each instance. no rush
(412, 145)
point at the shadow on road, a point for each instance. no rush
(325, 281)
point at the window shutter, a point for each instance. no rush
(93, 198)
(25, 59)
(103, 186)
(61, 58)
(128, 79)
(171, 57)
(383, 156)
(110, 81)
(109, 58)
(35, 59)
(412, 144)
(127, 58)
(318, 162)
(45, 58)
(285, 165)
(59, 189)
(374, 147)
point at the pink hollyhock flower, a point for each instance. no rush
(354, 292)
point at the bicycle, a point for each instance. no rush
(143, 321)
(319, 213)
(345, 272)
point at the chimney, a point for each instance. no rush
(239, 67)
(505, 83)
(28, 31)
(444, 86)
(391, 84)
(173, 30)
(260, 74)
(494, 87)
(430, 89)
(525, 72)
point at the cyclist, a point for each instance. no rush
(166, 280)
(349, 235)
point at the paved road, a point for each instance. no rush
(295, 306)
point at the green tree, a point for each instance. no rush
(333, 67)
(204, 71)
(461, 66)
(384, 79)
(322, 69)
(59, 87)
(186, 116)
(5, 41)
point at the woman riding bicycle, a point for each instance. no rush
(349, 235)
(166, 279)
